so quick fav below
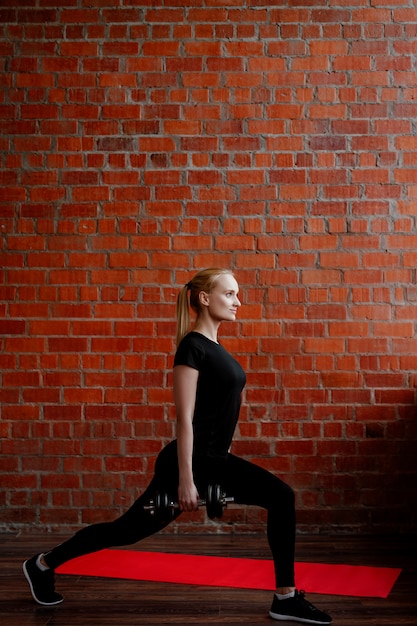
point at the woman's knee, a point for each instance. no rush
(282, 495)
(129, 530)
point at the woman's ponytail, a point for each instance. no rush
(183, 314)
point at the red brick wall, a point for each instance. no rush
(144, 141)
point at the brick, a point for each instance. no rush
(328, 143)
(203, 48)
(33, 16)
(208, 79)
(182, 127)
(333, 15)
(13, 327)
(211, 13)
(39, 111)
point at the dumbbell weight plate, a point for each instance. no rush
(214, 503)
(164, 511)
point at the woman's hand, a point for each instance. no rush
(187, 497)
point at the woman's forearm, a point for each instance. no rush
(185, 451)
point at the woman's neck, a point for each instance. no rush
(207, 329)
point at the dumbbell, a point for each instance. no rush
(163, 508)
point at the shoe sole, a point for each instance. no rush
(291, 618)
(26, 573)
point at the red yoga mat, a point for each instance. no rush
(344, 580)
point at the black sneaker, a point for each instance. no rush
(41, 583)
(298, 609)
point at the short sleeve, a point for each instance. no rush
(189, 352)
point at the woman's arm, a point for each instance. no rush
(185, 389)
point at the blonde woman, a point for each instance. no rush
(208, 383)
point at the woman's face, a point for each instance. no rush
(222, 301)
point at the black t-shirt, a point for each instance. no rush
(220, 383)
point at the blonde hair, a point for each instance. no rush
(204, 280)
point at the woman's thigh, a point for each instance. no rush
(251, 484)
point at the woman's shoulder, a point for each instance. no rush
(191, 349)
(195, 338)
(191, 338)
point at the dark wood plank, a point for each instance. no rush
(105, 602)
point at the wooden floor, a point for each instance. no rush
(103, 602)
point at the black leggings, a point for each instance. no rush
(246, 482)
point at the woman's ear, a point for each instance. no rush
(203, 298)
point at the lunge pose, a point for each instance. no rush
(208, 383)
